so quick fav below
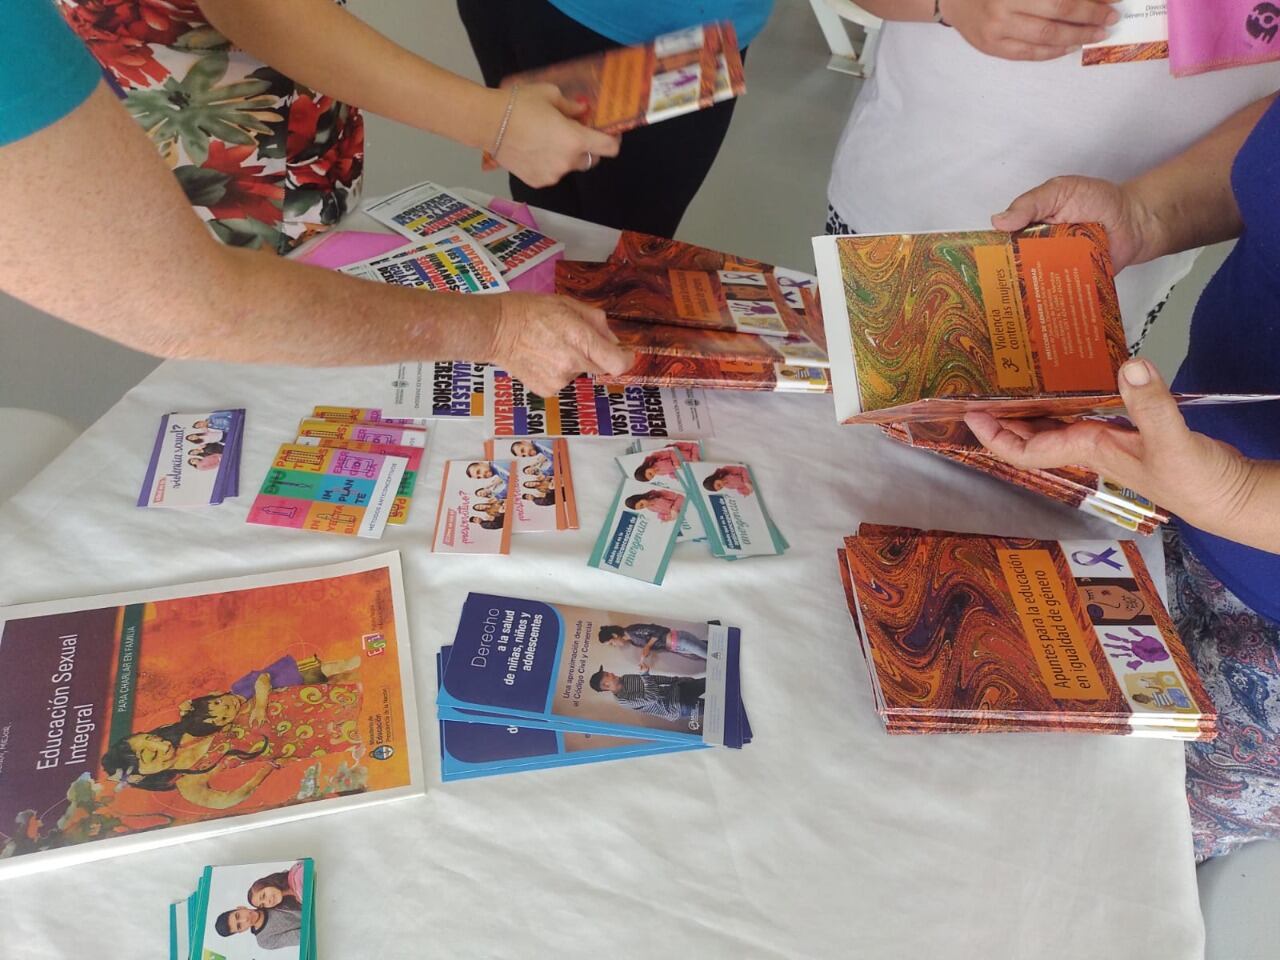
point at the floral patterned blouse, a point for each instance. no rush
(264, 161)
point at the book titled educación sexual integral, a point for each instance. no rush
(147, 718)
(972, 633)
(932, 326)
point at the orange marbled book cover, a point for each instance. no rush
(713, 373)
(930, 326)
(1076, 487)
(628, 87)
(665, 338)
(734, 301)
(1050, 635)
(660, 253)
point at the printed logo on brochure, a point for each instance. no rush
(383, 752)
(373, 644)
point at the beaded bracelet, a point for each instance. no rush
(506, 119)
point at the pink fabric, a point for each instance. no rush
(342, 247)
(1209, 35)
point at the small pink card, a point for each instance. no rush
(343, 247)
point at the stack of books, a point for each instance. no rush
(925, 328)
(698, 317)
(971, 633)
(527, 685)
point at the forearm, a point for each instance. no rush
(1250, 513)
(138, 266)
(904, 10)
(321, 45)
(1187, 201)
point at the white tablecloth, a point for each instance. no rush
(824, 838)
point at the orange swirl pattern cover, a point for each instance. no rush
(941, 323)
(974, 632)
(666, 370)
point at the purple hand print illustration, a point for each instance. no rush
(1137, 649)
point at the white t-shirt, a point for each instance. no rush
(943, 136)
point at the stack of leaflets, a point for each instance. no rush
(629, 87)
(195, 461)
(930, 327)
(164, 715)
(970, 633)
(528, 685)
(456, 246)
(699, 317)
(247, 910)
(349, 471)
(519, 486)
(1076, 487)
(651, 511)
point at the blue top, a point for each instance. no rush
(45, 72)
(638, 21)
(1235, 348)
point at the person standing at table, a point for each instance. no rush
(96, 231)
(651, 183)
(972, 98)
(1217, 468)
(229, 92)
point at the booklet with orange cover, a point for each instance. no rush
(739, 301)
(970, 632)
(711, 373)
(932, 326)
(671, 75)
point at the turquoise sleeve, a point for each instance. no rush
(45, 72)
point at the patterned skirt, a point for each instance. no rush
(1233, 782)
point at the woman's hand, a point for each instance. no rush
(1202, 480)
(1029, 29)
(1132, 230)
(545, 341)
(544, 141)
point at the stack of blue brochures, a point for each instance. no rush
(528, 685)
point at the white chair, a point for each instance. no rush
(29, 440)
(845, 58)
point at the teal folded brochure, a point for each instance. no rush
(247, 911)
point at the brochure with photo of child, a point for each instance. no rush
(251, 911)
(544, 497)
(595, 671)
(736, 521)
(476, 509)
(141, 719)
(470, 749)
(640, 529)
(659, 466)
